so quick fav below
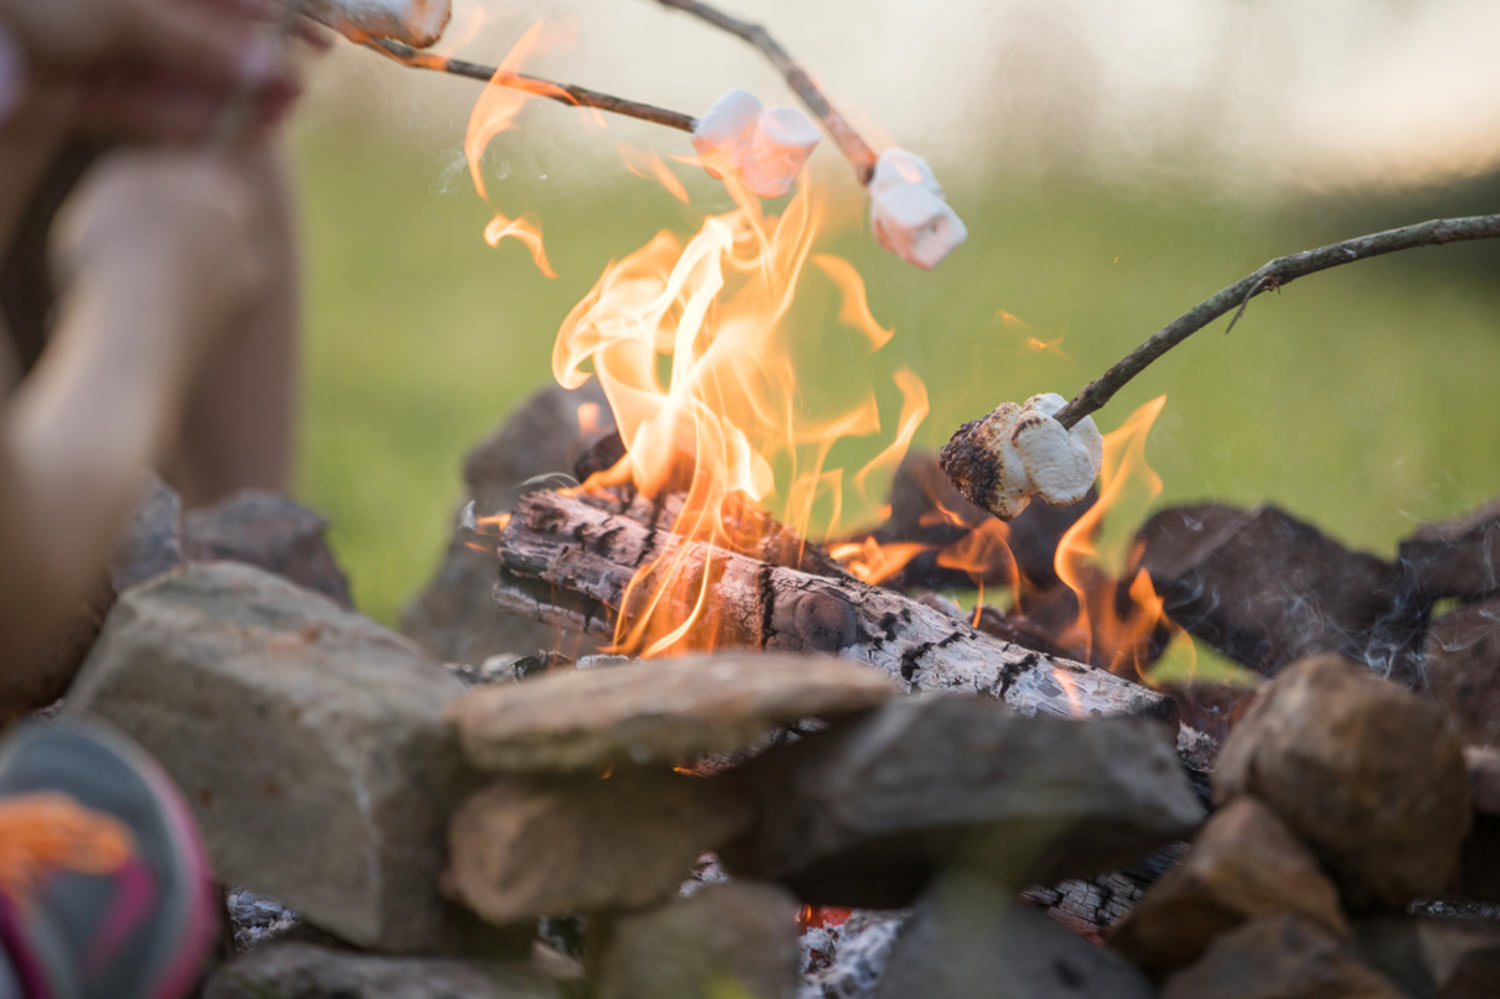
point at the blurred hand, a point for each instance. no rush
(178, 235)
(214, 43)
(151, 69)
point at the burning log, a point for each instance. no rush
(570, 563)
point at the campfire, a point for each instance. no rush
(701, 706)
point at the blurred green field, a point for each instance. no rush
(1361, 398)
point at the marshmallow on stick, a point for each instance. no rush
(765, 148)
(1016, 452)
(908, 213)
(418, 23)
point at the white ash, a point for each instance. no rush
(257, 920)
(846, 961)
(707, 871)
(419, 23)
(603, 660)
(764, 148)
(509, 667)
(908, 213)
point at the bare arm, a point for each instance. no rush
(164, 254)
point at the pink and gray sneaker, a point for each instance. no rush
(105, 891)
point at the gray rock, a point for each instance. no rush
(738, 938)
(1244, 865)
(519, 849)
(306, 971)
(270, 531)
(655, 711)
(1431, 957)
(971, 938)
(152, 544)
(454, 616)
(864, 813)
(1369, 775)
(309, 741)
(545, 435)
(1284, 957)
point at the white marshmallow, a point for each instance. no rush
(908, 213)
(1062, 463)
(418, 23)
(765, 148)
(1034, 455)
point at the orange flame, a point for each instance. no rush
(856, 309)
(1110, 616)
(691, 345)
(648, 165)
(689, 339)
(1121, 621)
(496, 112)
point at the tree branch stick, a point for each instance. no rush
(1275, 274)
(854, 148)
(565, 93)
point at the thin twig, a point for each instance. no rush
(854, 148)
(1264, 284)
(1279, 272)
(566, 93)
(238, 114)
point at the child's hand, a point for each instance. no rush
(153, 69)
(182, 236)
(215, 43)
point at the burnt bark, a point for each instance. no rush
(570, 562)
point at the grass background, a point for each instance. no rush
(1361, 399)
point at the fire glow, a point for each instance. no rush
(691, 342)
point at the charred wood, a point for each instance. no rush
(571, 563)
(1267, 589)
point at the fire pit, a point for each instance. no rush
(692, 708)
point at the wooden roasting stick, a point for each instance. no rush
(980, 458)
(570, 563)
(855, 149)
(566, 93)
(1273, 275)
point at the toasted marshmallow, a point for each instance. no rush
(418, 23)
(1016, 452)
(765, 148)
(908, 213)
